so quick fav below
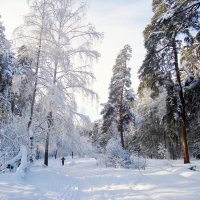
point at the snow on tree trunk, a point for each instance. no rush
(13, 160)
(23, 165)
(21, 156)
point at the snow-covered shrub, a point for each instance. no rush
(138, 162)
(1, 160)
(100, 159)
(9, 141)
(196, 149)
(21, 170)
(162, 152)
(115, 155)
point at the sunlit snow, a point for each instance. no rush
(82, 179)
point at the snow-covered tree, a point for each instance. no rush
(6, 75)
(7, 68)
(117, 111)
(61, 42)
(32, 33)
(23, 82)
(116, 156)
(68, 38)
(190, 65)
(162, 151)
(149, 126)
(161, 65)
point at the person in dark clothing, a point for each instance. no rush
(63, 161)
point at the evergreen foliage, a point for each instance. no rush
(171, 20)
(117, 111)
(6, 74)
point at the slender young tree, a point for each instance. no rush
(32, 33)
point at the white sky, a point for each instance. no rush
(121, 21)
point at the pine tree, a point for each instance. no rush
(32, 33)
(7, 69)
(150, 122)
(171, 18)
(117, 111)
(190, 64)
(6, 75)
(23, 82)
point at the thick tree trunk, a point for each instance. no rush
(183, 114)
(185, 146)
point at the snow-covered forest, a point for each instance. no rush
(47, 68)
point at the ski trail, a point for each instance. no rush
(82, 179)
(71, 192)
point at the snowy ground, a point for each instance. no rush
(82, 179)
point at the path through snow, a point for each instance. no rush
(82, 179)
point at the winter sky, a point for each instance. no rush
(121, 21)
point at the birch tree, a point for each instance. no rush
(69, 43)
(32, 33)
(61, 42)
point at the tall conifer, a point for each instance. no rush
(117, 111)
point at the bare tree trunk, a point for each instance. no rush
(121, 120)
(164, 138)
(50, 114)
(50, 120)
(121, 131)
(35, 86)
(183, 114)
(56, 153)
(46, 154)
(33, 100)
(36, 81)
